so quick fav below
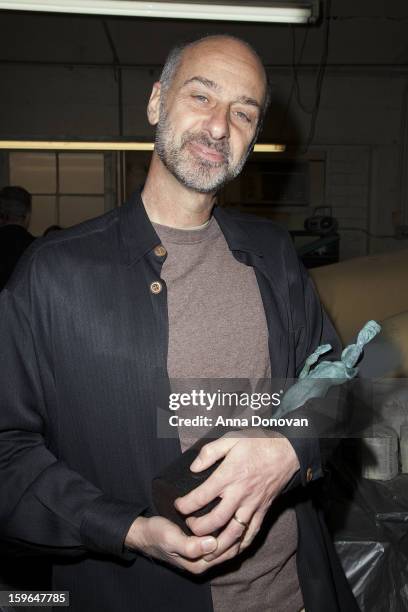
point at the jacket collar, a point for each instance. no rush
(234, 229)
(138, 236)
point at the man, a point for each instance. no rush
(106, 312)
(15, 212)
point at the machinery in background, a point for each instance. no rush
(323, 248)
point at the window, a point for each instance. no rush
(67, 188)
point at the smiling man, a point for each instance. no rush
(218, 123)
(167, 286)
(206, 127)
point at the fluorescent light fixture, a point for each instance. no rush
(275, 11)
(74, 145)
(269, 148)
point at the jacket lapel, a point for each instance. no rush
(243, 242)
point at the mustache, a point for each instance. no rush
(220, 147)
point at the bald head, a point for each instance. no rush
(223, 43)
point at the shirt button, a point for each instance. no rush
(309, 474)
(160, 251)
(156, 287)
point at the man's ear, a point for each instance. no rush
(153, 107)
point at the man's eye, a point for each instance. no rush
(200, 98)
(243, 116)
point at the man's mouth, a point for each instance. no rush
(208, 153)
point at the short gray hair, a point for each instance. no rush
(174, 58)
(15, 203)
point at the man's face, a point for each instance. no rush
(209, 115)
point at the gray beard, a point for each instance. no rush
(196, 174)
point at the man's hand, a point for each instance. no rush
(160, 538)
(253, 473)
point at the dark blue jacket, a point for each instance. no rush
(83, 350)
(14, 239)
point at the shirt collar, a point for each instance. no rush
(138, 236)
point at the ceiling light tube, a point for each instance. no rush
(277, 12)
(73, 145)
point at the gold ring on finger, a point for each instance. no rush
(244, 525)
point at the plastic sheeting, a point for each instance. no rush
(369, 523)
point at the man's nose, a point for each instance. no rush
(217, 124)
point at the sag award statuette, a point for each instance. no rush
(314, 381)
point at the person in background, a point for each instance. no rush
(15, 212)
(52, 228)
